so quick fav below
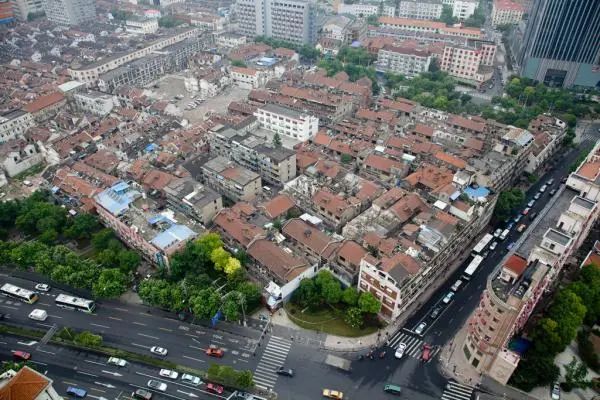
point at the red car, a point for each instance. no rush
(426, 355)
(213, 387)
(214, 352)
(21, 356)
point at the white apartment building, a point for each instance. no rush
(14, 124)
(471, 64)
(365, 10)
(291, 20)
(420, 9)
(248, 78)
(141, 26)
(505, 12)
(463, 9)
(419, 25)
(230, 40)
(22, 8)
(70, 12)
(288, 122)
(89, 73)
(407, 61)
(97, 103)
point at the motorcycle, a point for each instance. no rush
(382, 354)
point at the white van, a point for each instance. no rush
(38, 315)
(504, 234)
(456, 285)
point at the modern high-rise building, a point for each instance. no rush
(560, 44)
(22, 8)
(70, 12)
(291, 20)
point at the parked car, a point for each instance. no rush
(493, 246)
(435, 313)
(119, 362)
(550, 182)
(426, 354)
(400, 350)
(537, 196)
(531, 203)
(393, 389)
(76, 392)
(521, 228)
(191, 379)
(158, 350)
(168, 373)
(285, 371)
(421, 328)
(456, 285)
(552, 192)
(510, 246)
(214, 352)
(543, 188)
(497, 232)
(448, 298)
(555, 392)
(213, 387)
(42, 287)
(517, 218)
(533, 215)
(333, 394)
(526, 211)
(157, 385)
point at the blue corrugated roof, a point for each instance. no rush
(176, 233)
(155, 219)
(117, 198)
(476, 193)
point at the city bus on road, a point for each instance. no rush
(482, 245)
(472, 267)
(75, 303)
(27, 296)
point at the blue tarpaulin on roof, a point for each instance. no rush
(151, 147)
(156, 219)
(175, 234)
(475, 193)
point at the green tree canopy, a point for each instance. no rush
(368, 303)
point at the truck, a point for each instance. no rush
(338, 362)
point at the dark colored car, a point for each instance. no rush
(285, 371)
(435, 313)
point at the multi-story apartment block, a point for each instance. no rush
(45, 107)
(70, 12)
(463, 9)
(516, 286)
(230, 40)
(288, 122)
(141, 224)
(248, 78)
(14, 123)
(275, 165)
(142, 26)
(22, 8)
(193, 199)
(291, 20)
(472, 63)
(18, 156)
(97, 103)
(507, 12)
(560, 43)
(231, 180)
(548, 133)
(404, 60)
(420, 9)
(421, 26)
(89, 73)
(344, 29)
(365, 10)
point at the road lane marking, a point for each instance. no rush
(44, 304)
(97, 390)
(239, 359)
(165, 329)
(170, 382)
(138, 323)
(54, 316)
(148, 336)
(69, 383)
(218, 341)
(101, 326)
(44, 325)
(116, 319)
(3, 343)
(94, 362)
(194, 336)
(87, 373)
(37, 362)
(195, 359)
(167, 394)
(140, 345)
(121, 309)
(11, 307)
(46, 351)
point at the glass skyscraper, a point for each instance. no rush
(561, 44)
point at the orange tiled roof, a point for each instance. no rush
(25, 385)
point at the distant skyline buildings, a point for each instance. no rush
(70, 12)
(560, 46)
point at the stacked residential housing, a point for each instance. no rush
(420, 9)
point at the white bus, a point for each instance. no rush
(482, 245)
(75, 303)
(16, 292)
(473, 265)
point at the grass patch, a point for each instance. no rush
(327, 320)
(36, 169)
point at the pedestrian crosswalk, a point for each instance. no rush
(414, 345)
(457, 391)
(272, 358)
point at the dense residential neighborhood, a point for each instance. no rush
(299, 199)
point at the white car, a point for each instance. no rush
(169, 373)
(157, 385)
(555, 392)
(400, 350)
(191, 379)
(421, 328)
(119, 362)
(497, 233)
(42, 287)
(158, 350)
(448, 298)
(493, 246)
(531, 203)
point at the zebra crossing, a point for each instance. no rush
(414, 345)
(272, 358)
(457, 391)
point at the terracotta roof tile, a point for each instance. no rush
(310, 236)
(278, 205)
(241, 231)
(351, 252)
(516, 264)
(25, 385)
(280, 263)
(44, 101)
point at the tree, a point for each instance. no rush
(373, 20)
(206, 303)
(169, 21)
(331, 291)
(238, 63)
(82, 227)
(575, 375)
(508, 201)
(245, 379)
(276, 140)
(307, 294)
(111, 283)
(88, 339)
(129, 260)
(231, 309)
(220, 257)
(232, 267)
(354, 317)
(350, 296)
(346, 158)
(535, 371)
(251, 292)
(447, 16)
(368, 303)
(102, 238)
(477, 19)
